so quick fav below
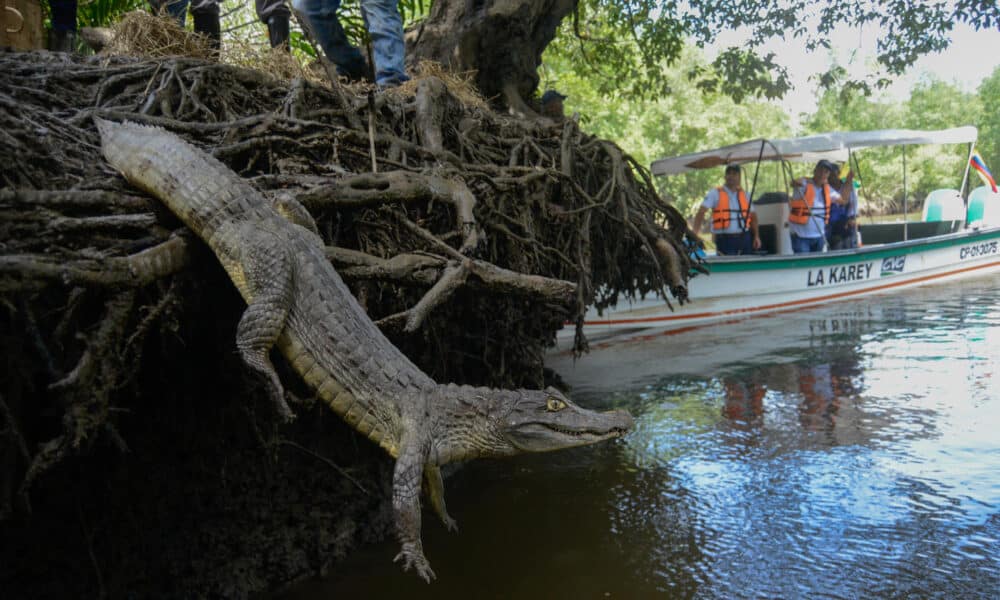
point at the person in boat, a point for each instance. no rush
(842, 230)
(734, 222)
(810, 207)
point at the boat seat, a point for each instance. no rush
(984, 207)
(772, 212)
(887, 233)
(944, 205)
(771, 198)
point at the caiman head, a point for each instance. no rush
(509, 422)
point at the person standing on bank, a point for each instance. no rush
(734, 222)
(385, 26)
(810, 208)
(273, 13)
(62, 36)
(276, 15)
(552, 105)
(204, 12)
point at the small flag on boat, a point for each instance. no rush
(980, 166)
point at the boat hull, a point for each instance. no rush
(744, 286)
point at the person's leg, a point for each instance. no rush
(320, 18)
(851, 241)
(385, 26)
(206, 21)
(816, 244)
(62, 37)
(274, 14)
(799, 245)
(746, 243)
(724, 245)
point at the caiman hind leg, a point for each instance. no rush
(269, 275)
(406, 504)
(435, 490)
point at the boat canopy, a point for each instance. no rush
(835, 146)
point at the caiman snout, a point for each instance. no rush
(627, 423)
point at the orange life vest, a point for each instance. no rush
(722, 214)
(802, 207)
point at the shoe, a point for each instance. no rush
(209, 25)
(354, 72)
(62, 41)
(277, 31)
(392, 83)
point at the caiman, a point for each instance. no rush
(297, 302)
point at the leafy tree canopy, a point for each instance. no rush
(686, 120)
(989, 121)
(603, 37)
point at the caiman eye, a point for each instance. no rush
(554, 404)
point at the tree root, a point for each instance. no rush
(477, 238)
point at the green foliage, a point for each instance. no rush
(686, 120)
(99, 13)
(102, 13)
(694, 117)
(623, 44)
(989, 121)
(933, 104)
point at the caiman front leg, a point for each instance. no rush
(269, 276)
(406, 504)
(435, 489)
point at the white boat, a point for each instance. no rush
(959, 237)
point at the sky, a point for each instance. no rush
(971, 57)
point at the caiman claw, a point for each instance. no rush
(412, 555)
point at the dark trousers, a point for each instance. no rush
(178, 8)
(733, 244)
(843, 238)
(63, 15)
(268, 8)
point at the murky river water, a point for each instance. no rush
(851, 451)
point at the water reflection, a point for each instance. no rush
(844, 452)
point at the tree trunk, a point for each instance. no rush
(21, 25)
(500, 40)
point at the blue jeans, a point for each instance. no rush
(384, 25)
(802, 244)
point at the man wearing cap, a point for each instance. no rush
(810, 208)
(734, 222)
(552, 104)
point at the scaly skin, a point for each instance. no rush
(297, 302)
